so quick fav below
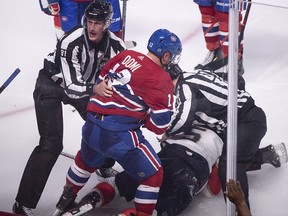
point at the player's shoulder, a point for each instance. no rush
(72, 36)
(132, 56)
(143, 64)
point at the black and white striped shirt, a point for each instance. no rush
(202, 99)
(77, 62)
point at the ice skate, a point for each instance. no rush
(211, 56)
(222, 70)
(22, 210)
(66, 201)
(86, 204)
(275, 154)
(281, 152)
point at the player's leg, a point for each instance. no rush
(143, 165)
(251, 130)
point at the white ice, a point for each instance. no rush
(27, 36)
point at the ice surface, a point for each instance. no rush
(27, 36)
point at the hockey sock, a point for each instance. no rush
(107, 193)
(223, 30)
(147, 193)
(210, 27)
(79, 173)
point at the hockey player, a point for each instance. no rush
(68, 77)
(113, 123)
(205, 95)
(68, 14)
(187, 161)
(215, 14)
(187, 158)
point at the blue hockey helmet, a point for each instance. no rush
(99, 10)
(162, 41)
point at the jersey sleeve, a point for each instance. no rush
(160, 100)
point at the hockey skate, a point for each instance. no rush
(22, 210)
(86, 204)
(211, 56)
(275, 154)
(222, 70)
(66, 201)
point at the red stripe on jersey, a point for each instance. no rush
(134, 138)
(145, 150)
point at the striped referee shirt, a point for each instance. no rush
(77, 62)
(202, 99)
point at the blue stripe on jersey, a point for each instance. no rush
(126, 92)
(161, 118)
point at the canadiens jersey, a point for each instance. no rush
(202, 100)
(141, 89)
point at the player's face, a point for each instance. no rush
(95, 30)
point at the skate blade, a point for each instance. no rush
(57, 212)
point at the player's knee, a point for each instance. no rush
(223, 21)
(53, 145)
(209, 19)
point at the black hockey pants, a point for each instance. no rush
(48, 99)
(251, 129)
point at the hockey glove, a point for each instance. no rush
(54, 8)
(50, 7)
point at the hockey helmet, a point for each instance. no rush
(98, 10)
(162, 41)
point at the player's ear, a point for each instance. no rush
(166, 58)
